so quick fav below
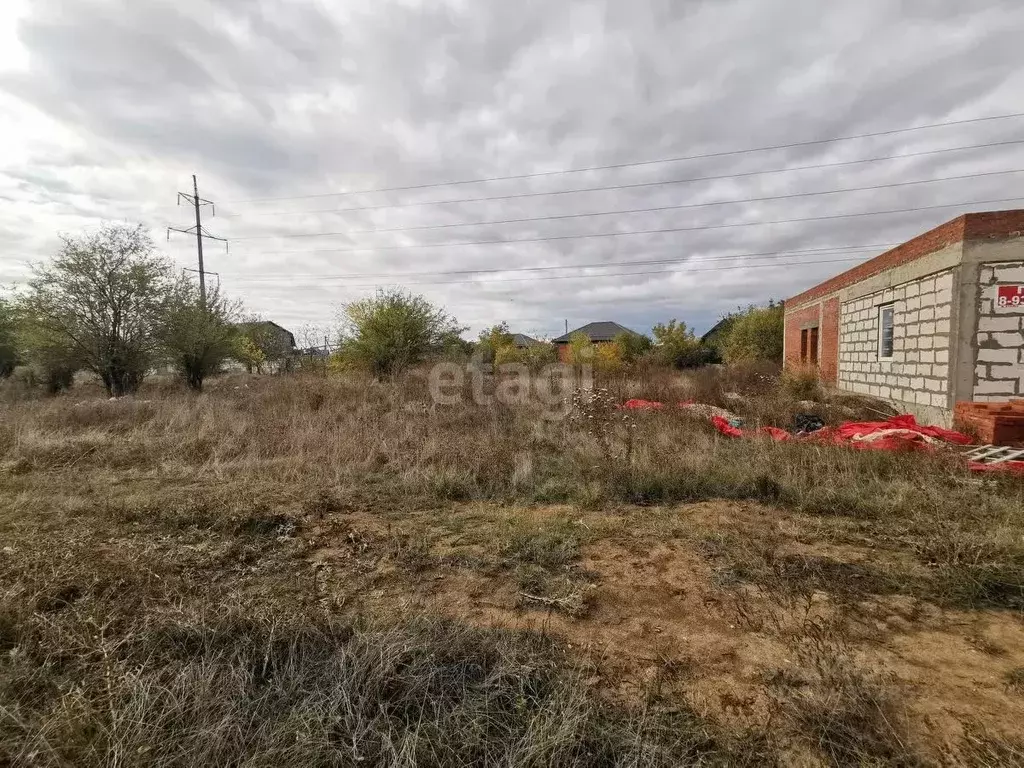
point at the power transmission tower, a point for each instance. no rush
(198, 202)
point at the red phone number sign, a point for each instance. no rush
(1010, 296)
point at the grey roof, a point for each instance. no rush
(522, 340)
(719, 327)
(604, 330)
(254, 323)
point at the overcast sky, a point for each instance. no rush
(107, 107)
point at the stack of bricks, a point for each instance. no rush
(994, 423)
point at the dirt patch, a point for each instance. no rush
(660, 620)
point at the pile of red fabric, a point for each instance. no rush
(899, 433)
(895, 434)
(637, 404)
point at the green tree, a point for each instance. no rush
(757, 335)
(393, 330)
(535, 356)
(8, 339)
(197, 336)
(632, 345)
(98, 303)
(676, 345)
(494, 343)
(581, 349)
(718, 337)
(248, 352)
(51, 362)
(260, 342)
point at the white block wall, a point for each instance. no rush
(999, 356)
(918, 373)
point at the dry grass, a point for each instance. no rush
(317, 571)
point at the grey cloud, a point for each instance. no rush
(268, 98)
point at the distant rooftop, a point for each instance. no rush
(522, 340)
(603, 330)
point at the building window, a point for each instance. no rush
(812, 353)
(804, 333)
(886, 314)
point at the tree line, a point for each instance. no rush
(109, 303)
(746, 335)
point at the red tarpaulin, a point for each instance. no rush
(894, 434)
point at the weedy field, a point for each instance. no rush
(330, 571)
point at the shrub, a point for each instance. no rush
(608, 357)
(8, 347)
(197, 332)
(676, 345)
(756, 335)
(581, 349)
(394, 330)
(495, 341)
(802, 382)
(534, 357)
(633, 345)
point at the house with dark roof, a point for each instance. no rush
(276, 342)
(717, 335)
(522, 341)
(601, 332)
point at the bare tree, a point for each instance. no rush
(99, 301)
(313, 347)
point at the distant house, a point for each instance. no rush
(276, 342)
(522, 341)
(601, 332)
(716, 337)
(276, 336)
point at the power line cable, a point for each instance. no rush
(591, 265)
(613, 166)
(655, 209)
(637, 232)
(610, 187)
(586, 277)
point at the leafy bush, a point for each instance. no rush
(394, 330)
(581, 349)
(802, 382)
(609, 357)
(534, 357)
(260, 342)
(757, 335)
(8, 347)
(633, 345)
(493, 342)
(197, 332)
(677, 346)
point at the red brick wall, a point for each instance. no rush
(794, 320)
(828, 356)
(970, 226)
(922, 245)
(994, 224)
